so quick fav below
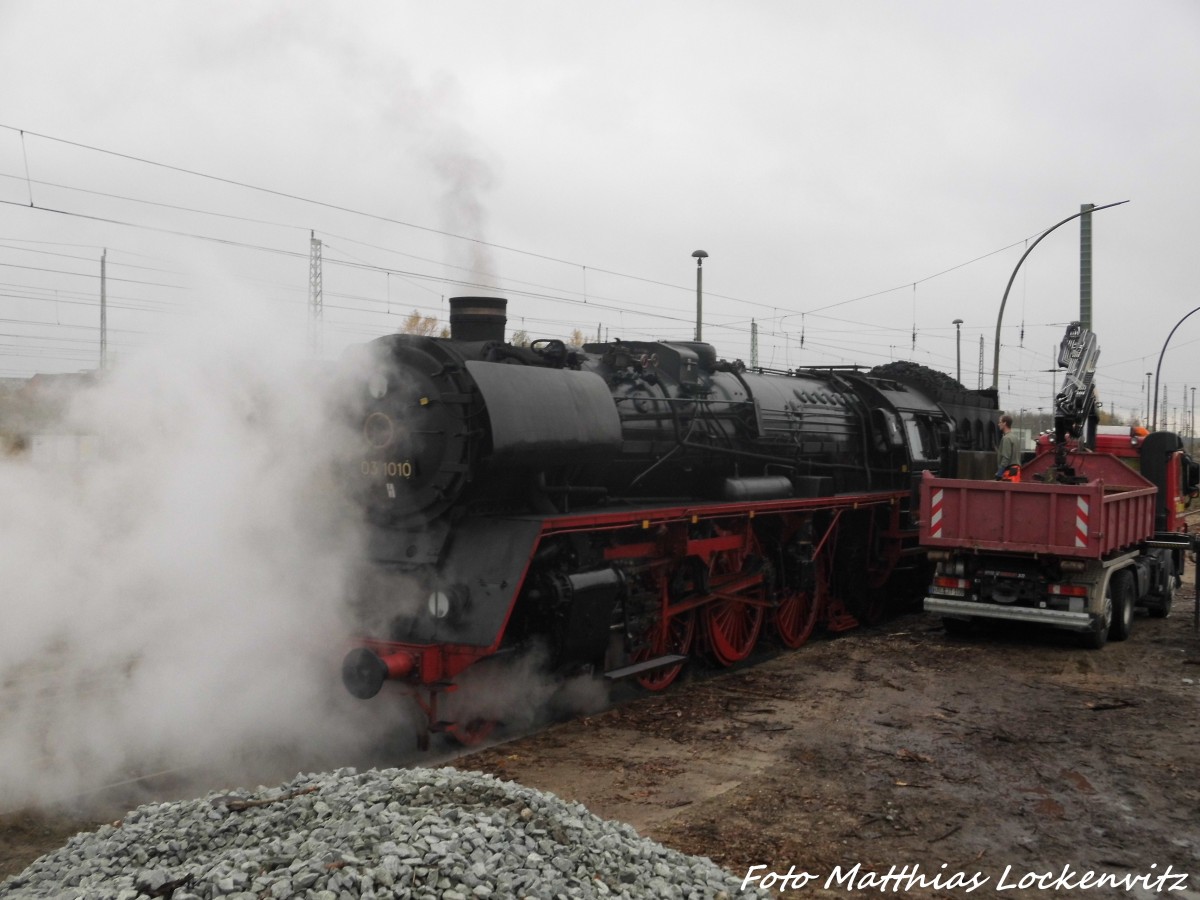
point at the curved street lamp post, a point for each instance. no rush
(1013, 277)
(1158, 369)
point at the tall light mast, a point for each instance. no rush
(104, 309)
(315, 295)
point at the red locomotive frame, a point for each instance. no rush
(731, 601)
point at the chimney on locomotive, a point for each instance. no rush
(478, 318)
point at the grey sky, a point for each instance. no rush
(819, 152)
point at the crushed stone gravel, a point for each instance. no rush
(384, 833)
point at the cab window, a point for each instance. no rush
(921, 441)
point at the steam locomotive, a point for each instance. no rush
(626, 505)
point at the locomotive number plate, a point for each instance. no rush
(390, 469)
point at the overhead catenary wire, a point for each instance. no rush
(298, 255)
(467, 238)
(334, 206)
(418, 279)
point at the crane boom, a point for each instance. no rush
(1076, 406)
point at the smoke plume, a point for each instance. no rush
(173, 596)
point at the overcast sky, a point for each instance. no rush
(860, 174)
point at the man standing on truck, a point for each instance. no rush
(1006, 453)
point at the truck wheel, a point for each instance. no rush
(1159, 602)
(1162, 609)
(1120, 588)
(1098, 636)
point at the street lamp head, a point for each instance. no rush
(957, 322)
(700, 254)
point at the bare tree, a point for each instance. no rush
(419, 324)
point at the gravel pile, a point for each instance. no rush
(345, 835)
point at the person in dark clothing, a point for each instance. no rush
(1007, 453)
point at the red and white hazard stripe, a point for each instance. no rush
(1081, 521)
(935, 514)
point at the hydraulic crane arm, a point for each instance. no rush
(1076, 406)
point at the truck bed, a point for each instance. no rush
(1113, 511)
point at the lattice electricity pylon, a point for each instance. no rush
(981, 362)
(315, 296)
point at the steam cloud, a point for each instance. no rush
(176, 599)
(465, 177)
(180, 596)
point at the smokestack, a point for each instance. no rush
(1085, 265)
(478, 318)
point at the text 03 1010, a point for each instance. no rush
(390, 469)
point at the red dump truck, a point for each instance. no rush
(1079, 555)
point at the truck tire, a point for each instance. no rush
(1160, 600)
(1121, 592)
(1098, 636)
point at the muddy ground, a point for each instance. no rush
(891, 747)
(905, 746)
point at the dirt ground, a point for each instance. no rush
(1001, 756)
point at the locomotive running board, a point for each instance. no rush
(659, 662)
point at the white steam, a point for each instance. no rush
(521, 693)
(177, 599)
